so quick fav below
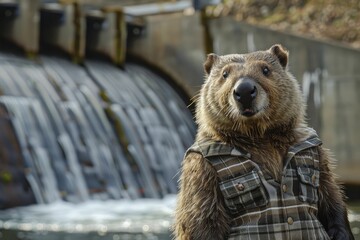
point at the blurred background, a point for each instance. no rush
(95, 103)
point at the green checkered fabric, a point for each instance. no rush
(262, 208)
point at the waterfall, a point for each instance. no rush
(89, 132)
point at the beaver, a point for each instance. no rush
(256, 170)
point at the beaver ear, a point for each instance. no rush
(281, 53)
(211, 59)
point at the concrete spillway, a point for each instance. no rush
(78, 133)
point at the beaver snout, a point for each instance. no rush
(245, 92)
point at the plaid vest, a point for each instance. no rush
(261, 207)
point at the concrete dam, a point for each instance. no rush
(94, 112)
(99, 129)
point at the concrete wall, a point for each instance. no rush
(174, 44)
(329, 75)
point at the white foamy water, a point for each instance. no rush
(129, 216)
(142, 219)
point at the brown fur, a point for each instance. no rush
(332, 208)
(200, 204)
(278, 124)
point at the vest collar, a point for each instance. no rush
(210, 148)
(312, 141)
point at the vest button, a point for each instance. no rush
(284, 187)
(240, 186)
(290, 220)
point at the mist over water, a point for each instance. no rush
(112, 219)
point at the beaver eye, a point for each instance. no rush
(225, 74)
(266, 71)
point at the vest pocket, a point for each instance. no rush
(244, 192)
(309, 184)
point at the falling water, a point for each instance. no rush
(94, 132)
(91, 132)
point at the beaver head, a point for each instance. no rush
(249, 94)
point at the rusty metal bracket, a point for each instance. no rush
(136, 26)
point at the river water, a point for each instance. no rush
(354, 217)
(106, 220)
(110, 220)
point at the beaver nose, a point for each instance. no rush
(245, 92)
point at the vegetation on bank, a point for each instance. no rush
(336, 20)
